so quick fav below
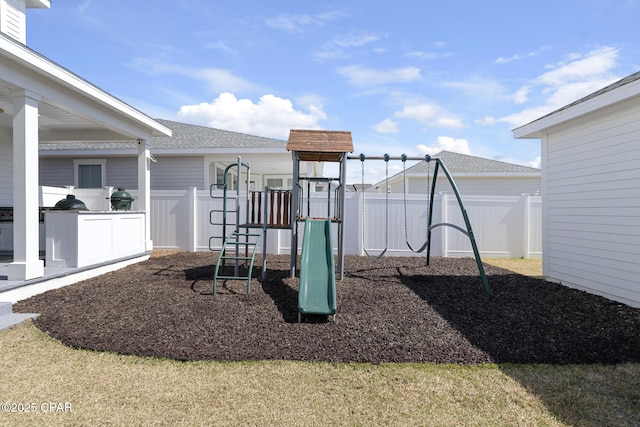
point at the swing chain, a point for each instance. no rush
(404, 198)
(386, 244)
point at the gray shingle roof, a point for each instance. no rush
(194, 136)
(185, 136)
(457, 163)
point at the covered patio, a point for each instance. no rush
(42, 102)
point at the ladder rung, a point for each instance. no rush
(243, 243)
(236, 257)
(233, 277)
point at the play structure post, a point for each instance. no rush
(294, 214)
(342, 198)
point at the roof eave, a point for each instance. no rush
(483, 175)
(48, 69)
(66, 152)
(219, 151)
(38, 4)
(537, 128)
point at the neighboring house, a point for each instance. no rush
(42, 102)
(591, 191)
(472, 176)
(194, 156)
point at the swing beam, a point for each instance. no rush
(430, 225)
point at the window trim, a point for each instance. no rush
(287, 180)
(87, 162)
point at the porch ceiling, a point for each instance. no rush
(56, 124)
(69, 107)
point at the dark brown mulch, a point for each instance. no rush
(389, 310)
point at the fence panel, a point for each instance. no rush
(170, 219)
(496, 221)
(504, 226)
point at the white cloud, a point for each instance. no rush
(217, 79)
(220, 80)
(521, 95)
(339, 46)
(536, 163)
(429, 115)
(386, 126)
(291, 22)
(446, 143)
(270, 117)
(355, 39)
(567, 81)
(579, 68)
(474, 88)
(361, 76)
(487, 121)
(518, 56)
(219, 46)
(420, 112)
(422, 55)
(447, 122)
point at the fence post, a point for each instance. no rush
(444, 212)
(526, 221)
(192, 218)
(108, 191)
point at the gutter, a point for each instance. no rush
(22, 55)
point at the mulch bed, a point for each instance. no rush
(395, 309)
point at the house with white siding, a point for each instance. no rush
(42, 102)
(193, 156)
(473, 176)
(591, 191)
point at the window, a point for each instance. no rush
(90, 173)
(274, 182)
(232, 181)
(279, 183)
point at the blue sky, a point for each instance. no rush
(404, 77)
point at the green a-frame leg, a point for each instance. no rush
(468, 232)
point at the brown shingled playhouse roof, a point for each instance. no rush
(320, 145)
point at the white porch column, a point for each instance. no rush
(26, 252)
(144, 189)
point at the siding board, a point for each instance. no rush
(177, 173)
(56, 172)
(592, 203)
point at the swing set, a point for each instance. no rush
(439, 164)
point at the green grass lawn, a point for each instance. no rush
(96, 388)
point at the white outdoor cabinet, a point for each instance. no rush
(83, 238)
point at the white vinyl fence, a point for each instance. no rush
(504, 226)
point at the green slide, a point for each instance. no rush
(317, 274)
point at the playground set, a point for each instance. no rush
(278, 209)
